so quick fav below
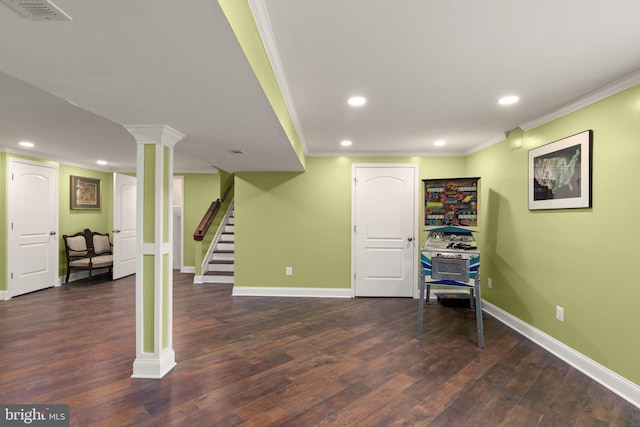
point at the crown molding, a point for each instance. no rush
(385, 154)
(263, 23)
(599, 94)
(488, 143)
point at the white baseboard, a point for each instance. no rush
(293, 292)
(188, 269)
(198, 280)
(4, 296)
(614, 382)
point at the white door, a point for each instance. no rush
(385, 230)
(178, 221)
(124, 225)
(33, 225)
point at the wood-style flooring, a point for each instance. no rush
(256, 361)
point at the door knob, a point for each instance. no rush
(410, 239)
(52, 233)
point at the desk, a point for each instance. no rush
(438, 252)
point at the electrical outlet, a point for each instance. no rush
(559, 313)
(489, 283)
(289, 271)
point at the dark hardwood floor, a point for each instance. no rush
(249, 361)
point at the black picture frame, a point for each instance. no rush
(560, 173)
(85, 193)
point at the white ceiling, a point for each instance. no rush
(429, 69)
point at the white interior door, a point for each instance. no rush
(33, 224)
(385, 230)
(124, 225)
(178, 221)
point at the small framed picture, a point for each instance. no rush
(560, 173)
(86, 193)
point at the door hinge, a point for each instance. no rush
(354, 229)
(12, 276)
(355, 181)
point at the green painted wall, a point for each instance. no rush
(580, 259)
(73, 220)
(70, 221)
(537, 259)
(303, 220)
(199, 191)
(101, 220)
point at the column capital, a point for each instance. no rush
(155, 134)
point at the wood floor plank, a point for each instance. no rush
(259, 361)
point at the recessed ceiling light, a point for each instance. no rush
(439, 142)
(357, 101)
(26, 144)
(101, 162)
(346, 143)
(508, 100)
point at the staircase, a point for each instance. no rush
(220, 266)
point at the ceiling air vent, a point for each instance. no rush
(236, 151)
(37, 10)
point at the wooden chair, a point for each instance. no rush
(88, 250)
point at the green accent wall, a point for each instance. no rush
(579, 259)
(167, 203)
(167, 281)
(148, 309)
(574, 258)
(149, 203)
(72, 221)
(303, 220)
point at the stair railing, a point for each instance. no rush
(206, 221)
(210, 214)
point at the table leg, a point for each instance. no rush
(478, 301)
(420, 309)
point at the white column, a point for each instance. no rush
(154, 273)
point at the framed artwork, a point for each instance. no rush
(452, 202)
(560, 173)
(86, 193)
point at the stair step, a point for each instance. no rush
(222, 256)
(222, 246)
(219, 273)
(220, 268)
(221, 265)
